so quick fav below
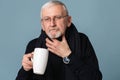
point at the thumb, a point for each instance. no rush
(63, 38)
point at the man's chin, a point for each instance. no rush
(55, 36)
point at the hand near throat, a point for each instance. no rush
(60, 48)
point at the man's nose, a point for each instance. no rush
(52, 22)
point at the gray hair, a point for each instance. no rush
(53, 2)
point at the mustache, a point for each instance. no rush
(53, 29)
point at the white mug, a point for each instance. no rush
(40, 58)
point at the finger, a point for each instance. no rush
(49, 41)
(51, 50)
(50, 46)
(27, 58)
(29, 55)
(63, 38)
(27, 67)
(26, 62)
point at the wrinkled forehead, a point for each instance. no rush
(61, 8)
(53, 9)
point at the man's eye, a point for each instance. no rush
(58, 17)
(47, 19)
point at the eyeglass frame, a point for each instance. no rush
(55, 18)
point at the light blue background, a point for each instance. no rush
(99, 19)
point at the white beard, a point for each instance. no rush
(57, 35)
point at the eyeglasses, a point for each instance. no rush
(55, 18)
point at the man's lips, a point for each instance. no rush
(53, 30)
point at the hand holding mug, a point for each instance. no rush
(26, 62)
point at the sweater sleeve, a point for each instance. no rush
(22, 74)
(85, 66)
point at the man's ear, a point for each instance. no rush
(69, 21)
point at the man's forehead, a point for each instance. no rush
(53, 10)
(50, 7)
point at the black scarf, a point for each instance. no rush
(73, 39)
(72, 36)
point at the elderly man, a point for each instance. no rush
(71, 55)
